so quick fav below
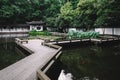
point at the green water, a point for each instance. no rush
(92, 62)
(8, 53)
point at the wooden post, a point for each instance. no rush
(70, 41)
(103, 31)
(42, 75)
(56, 41)
(112, 31)
(80, 40)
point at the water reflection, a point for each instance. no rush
(93, 62)
(12, 35)
(8, 53)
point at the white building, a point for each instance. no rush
(111, 31)
(36, 25)
(22, 28)
(16, 28)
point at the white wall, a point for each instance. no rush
(117, 31)
(100, 30)
(72, 29)
(35, 28)
(15, 30)
(108, 30)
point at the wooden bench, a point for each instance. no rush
(47, 40)
(21, 41)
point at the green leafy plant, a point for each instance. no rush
(35, 33)
(72, 34)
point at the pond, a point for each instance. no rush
(84, 61)
(8, 52)
(91, 62)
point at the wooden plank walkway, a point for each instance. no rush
(26, 68)
(68, 41)
(100, 40)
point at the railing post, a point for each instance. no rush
(42, 76)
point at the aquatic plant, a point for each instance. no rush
(72, 34)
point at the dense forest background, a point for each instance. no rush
(62, 13)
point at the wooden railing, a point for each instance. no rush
(21, 41)
(69, 41)
(18, 41)
(41, 72)
(42, 76)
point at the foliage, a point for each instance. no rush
(62, 13)
(94, 13)
(102, 13)
(72, 34)
(51, 22)
(35, 33)
(67, 15)
(87, 14)
(21, 11)
(113, 14)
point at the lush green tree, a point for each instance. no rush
(62, 18)
(51, 22)
(103, 10)
(10, 10)
(19, 11)
(94, 13)
(62, 13)
(87, 13)
(113, 14)
(67, 16)
(51, 11)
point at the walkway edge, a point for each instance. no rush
(41, 73)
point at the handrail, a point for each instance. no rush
(41, 74)
(52, 46)
(52, 60)
(71, 40)
(19, 43)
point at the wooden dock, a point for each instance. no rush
(30, 67)
(68, 41)
(94, 40)
(40, 60)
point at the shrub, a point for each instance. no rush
(35, 33)
(79, 34)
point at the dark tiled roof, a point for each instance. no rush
(35, 22)
(15, 25)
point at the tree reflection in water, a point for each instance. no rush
(93, 62)
(8, 54)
